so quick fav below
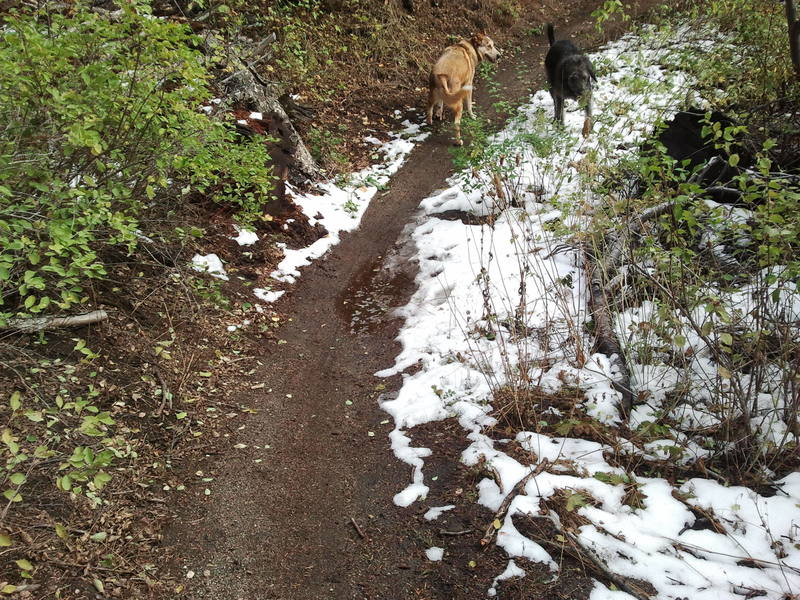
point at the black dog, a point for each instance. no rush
(570, 75)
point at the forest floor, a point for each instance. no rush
(252, 460)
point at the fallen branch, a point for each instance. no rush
(38, 323)
(246, 88)
(700, 175)
(515, 491)
(606, 341)
(618, 280)
(635, 228)
(584, 555)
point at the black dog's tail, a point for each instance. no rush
(551, 34)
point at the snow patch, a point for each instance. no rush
(211, 264)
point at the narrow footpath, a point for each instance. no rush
(279, 524)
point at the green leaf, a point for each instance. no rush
(64, 483)
(10, 441)
(24, 564)
(101, 479)
(61, 531)
(575, 500)
(733, 160)
(17, 478)
(34, 415)
(12, 496)
(726, 339)
(100, 536)
(15, 401)
(5, 541)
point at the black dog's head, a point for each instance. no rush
(579, 77)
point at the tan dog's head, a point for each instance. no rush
(484, 46)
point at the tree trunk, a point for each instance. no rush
(794, 34)
(245, 88)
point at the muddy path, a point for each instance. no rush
(279, 521)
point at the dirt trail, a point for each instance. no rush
(281, 528)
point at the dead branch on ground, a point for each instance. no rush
(29, 325)
(515, 491)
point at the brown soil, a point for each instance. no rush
(279, 519)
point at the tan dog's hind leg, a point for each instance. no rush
(440, 110)
(431, 104)
(468, 100)
(459, 109)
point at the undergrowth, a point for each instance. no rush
(102, 131)
(703, 296)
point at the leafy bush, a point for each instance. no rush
(101, 122)
(753, 63)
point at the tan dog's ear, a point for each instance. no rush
(477, 39)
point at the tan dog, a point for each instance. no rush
(451, 77)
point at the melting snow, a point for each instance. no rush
(268, 295)
(339, 205)
(211, 264)
(434, 553)
(505, 302)
(244, 237)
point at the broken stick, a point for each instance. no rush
(515, 491)
(39, 323)
(361, 534)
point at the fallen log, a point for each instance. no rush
(27, 325)
(246, 88)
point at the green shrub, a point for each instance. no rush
(101, 123)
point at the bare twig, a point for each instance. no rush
(166, 395)
(515, 491)
(361, 534)
(455, 533)
(585, 555)
(635, 228)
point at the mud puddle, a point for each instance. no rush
(379, 288)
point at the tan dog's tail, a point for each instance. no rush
(444, 83)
